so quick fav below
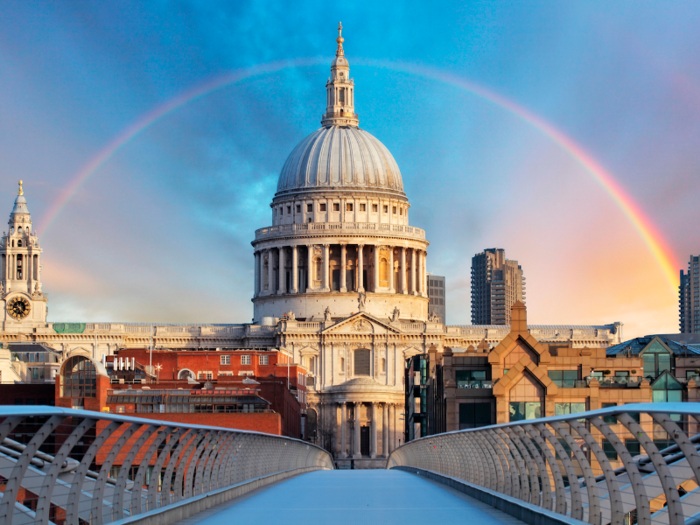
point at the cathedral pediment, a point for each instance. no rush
(361, 323)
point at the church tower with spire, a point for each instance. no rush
(24, 303)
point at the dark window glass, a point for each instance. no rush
(609, 450)
(611, 420)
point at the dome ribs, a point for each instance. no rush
(346, 157)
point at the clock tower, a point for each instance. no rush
(21, 298)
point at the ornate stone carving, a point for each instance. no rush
(361, 326)
(395, 314)
(327, 315)
(361, 300)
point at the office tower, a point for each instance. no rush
(436, 295)
(689, 297)
(497, 283)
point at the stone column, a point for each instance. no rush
(402, 269)
(309, 270)
(391, 270)
(343, 429)
(373, 433)
(256, 284)
(424, 284)
(270, 271)
(419, 273)
(375, 288)
(392, 429)
(413, 272)
(295, 270)
(326, 268)
(343, 267)
(356, 441)
(385, 427)
(282, 271)
(360, 267)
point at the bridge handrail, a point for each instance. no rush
(580, 465)
(122, 466)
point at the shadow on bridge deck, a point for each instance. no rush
(354, 496)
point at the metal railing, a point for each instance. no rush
(636, 463)
(73, 466)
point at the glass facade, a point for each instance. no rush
(656, 360)
(79, 378)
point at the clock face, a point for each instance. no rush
(18, 307)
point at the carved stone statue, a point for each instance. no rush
(395, 314)
(2, 288)
(361, 300)
(327, 314)
(433, 318)
(291, 316)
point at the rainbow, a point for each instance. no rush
(644, 226)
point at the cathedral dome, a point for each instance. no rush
(338, 157)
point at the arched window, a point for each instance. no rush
(19, 243)
(79, 378)
(185, 374)
(362, 364)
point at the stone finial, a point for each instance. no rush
(21, 192)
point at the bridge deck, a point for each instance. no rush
(354, 496)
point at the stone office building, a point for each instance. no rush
(523, 378)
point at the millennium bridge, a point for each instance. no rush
(627, 464)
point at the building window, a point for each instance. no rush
(79, 378)
(632, 446)
(363, 207)
(263, 359)
(362, 362)
(471, 379)
(383, 366)
(656, 360)
(564, 409)
(394, 210)
(298, 208)
(205, 376)
(348, 206)
(564, 378)
(520, 410)
(342, 364)
(386, 208)
(474, 415)
(336, 206)
(400, 211)
(289, 210)
(309, 207)
(245, 359)
(610, 420)
(609, 450)
(375, 208)
(322, 206)
(225, 359)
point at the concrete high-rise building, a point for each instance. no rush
(436, 296)
(497, 283)
(689, 297)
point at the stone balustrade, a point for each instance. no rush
(369, 228)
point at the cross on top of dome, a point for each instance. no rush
(340, 40)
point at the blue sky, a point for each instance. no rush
(162, 231)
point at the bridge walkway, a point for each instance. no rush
(354, 496)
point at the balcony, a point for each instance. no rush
(339, 228)
(475, 384)
(617, 382)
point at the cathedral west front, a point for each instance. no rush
(340, 284)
